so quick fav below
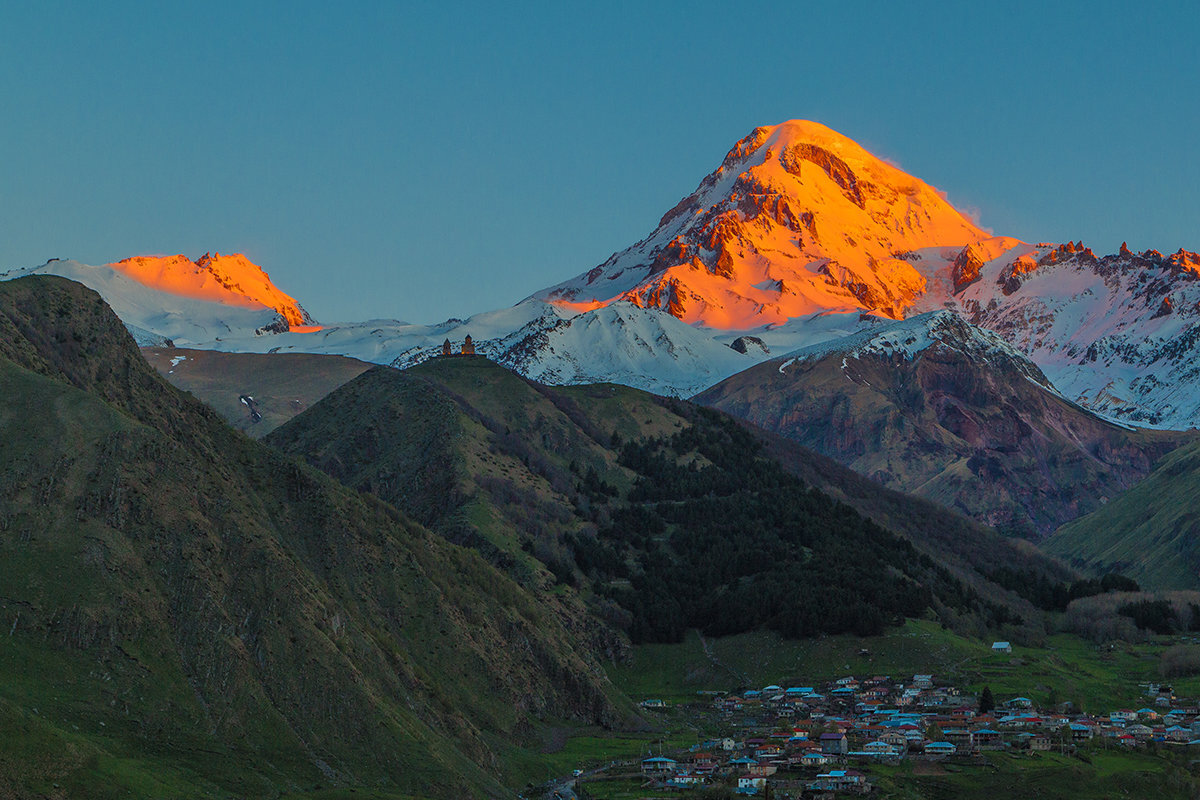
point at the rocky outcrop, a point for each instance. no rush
(749, 344)
(837, 169)
(965, 269)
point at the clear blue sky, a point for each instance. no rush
(421, 161)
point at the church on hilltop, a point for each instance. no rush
(468, 347)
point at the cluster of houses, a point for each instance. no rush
(820, 739)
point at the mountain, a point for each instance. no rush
(192, 613)
(1119, 334)
(174, 299)
(231, 279)
(797, 220)
(799, 236)
(935, 406)
(1150, 532)
(601, 487)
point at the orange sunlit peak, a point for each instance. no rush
(231, 279)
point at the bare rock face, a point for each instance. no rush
(837, 169)
(966, 268)
(749, 344)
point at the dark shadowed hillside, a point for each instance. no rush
(1151, 532)
(190, 613)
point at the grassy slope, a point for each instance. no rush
(192, 614)
(1150, 532)
(1096, 678)
(282, 384)
(1047, 775)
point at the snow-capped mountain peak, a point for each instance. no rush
(797, 220)
(229, 279)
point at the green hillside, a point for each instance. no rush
(192, 614)
(1150, 532)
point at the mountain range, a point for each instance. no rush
(818, 291)
(799, 236)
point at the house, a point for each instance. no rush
(880, 749)
(1001, 647)
(988, 739)
(1040, 743)
(1139, 731)
(768, 751)
(815, 759)
(922, 681)
(658, 766)
(940, 749)
(1178, 733)
(748, 784)
(835, 743)
(838, 780)
(1019, 702)
(654, 703)
(1080, 732)
(961, 737)
(684, 780)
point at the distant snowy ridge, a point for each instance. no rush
(154, 315)
(799, 238)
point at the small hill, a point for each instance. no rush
(191, 613)
(1150, 532)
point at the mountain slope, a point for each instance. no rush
(195, 614)
(936, 407)
(1150, 532)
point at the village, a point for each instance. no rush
(793, 741)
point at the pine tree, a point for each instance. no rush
(986, 701)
